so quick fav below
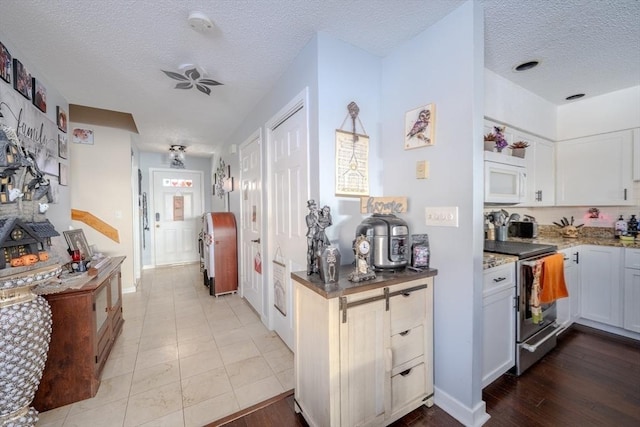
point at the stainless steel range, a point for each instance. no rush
(533, 340)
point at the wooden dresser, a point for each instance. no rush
(363, 351)
(86, 322)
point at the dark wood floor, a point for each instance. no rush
(589, 379)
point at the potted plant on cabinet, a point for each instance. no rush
(495, 140)
(518, 148)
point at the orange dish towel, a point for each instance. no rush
(553, 284)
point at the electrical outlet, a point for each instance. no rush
(446, 216)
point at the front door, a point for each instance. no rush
(177, 201)
(250, 224)
(288, 195)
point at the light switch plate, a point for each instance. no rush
(422, 169)
(445, 216)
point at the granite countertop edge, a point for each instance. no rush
(344, 287)
(494, 260)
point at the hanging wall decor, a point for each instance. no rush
(352, 158)
(39, 95)
(6, 63)
(419, 127)
(61, 115)
(222, 179)
(22, 80)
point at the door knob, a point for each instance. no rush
(256, 240)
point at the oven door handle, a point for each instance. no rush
(533, 348)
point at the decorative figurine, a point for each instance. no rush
(363, 271)
(312, 229)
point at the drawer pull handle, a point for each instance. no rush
(405, 333)
(406, 294)
(499, 279)
(405, 373)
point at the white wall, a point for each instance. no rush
(100, 183)
(346, 73)
(444, 65)
(511, 104)
(605, 113)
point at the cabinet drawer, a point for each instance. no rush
(408, 310)
(408, 386)
(407, 345)
(632, 258)
(499, 277)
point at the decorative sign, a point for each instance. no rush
(352, 164)
(279, 290)
(37, 133)
(383, 205)
(172, 182)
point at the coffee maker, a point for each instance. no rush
(389, 237)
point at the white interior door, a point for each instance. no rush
(251, 219)
(177, 202)
(289, 192)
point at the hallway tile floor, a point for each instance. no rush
(184, 358)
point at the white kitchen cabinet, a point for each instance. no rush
(363, 358)
(499, 327)
(636, 154)
(541, 182)
(602, 292)
(632, 289)
(569, 308)
(595, 170)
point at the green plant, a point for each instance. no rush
(519, 144)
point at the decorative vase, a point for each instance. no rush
(489, 145)
(25, 332)
(329, 266)
(518, 152)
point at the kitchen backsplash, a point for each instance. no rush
(594, 232)
(607, 218)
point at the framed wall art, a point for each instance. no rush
(39, 95)
(62, 118)
(419, 126)
(22, 80)
(63, 146)
(352, 164)
(83, 136)
(6, 64)
(279, 289)
(76, 241)
(63, 177)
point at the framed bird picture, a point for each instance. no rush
(419, 127)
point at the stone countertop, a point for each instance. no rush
(494, 260)
(345, 287)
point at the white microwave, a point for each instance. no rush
(505, 179)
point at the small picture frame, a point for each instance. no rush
(82, 136)
(419, 126)
(6, 64)
(63, 146)
(76, 241)
(22, 80)
(63, 177)
(39, 95)
(62, 118)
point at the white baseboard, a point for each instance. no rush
(472, 417)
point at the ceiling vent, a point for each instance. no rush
(200, 22)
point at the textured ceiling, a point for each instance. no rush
(108, 53)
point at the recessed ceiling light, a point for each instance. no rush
(576, 96)
(526, 66)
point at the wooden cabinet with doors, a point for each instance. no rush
(632, 289)
(86, 323)
(363, 352)
(568, 308)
